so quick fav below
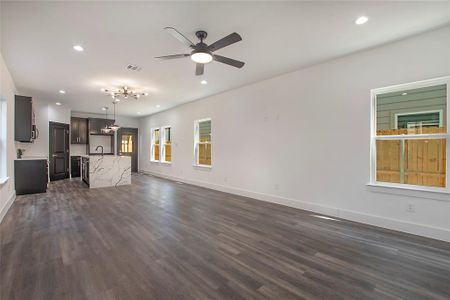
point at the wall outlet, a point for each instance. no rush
(277, 187)
(411, 208)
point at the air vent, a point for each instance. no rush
(133, 68)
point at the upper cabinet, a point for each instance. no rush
(97, 124)
(23, 121)
(79, 130)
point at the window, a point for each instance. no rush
(202, 140)
(155, 145)
(166, 155)
(127, 143)
(410, 138)
(3, 142)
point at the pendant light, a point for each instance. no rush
(114, 127)
(106, 129)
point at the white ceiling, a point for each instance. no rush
(278, 37)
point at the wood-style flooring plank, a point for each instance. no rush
(159, 239)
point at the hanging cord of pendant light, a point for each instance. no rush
(106, 129)
(115, 127)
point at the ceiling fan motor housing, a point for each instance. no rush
(201, 35)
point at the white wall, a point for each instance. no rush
(45, 112)
(7, 91)
(302, 139)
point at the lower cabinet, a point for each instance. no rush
(75, 165)
(31, 176)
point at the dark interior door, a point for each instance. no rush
(59, 151)
(127, 144)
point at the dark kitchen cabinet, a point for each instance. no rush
(96, 125)
(75, 165)
(30, 176)
(79, 130)
(23, 121)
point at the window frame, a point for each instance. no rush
(152, 144)
(197, 142)
(3, 140)
(374, 137)
(162, 144)
(440, 111)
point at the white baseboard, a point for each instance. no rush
(388, 223)
(8, 204)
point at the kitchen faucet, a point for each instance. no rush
(99, 146)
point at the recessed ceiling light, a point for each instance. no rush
(104, 108)
(204, 82)
(62, 92)
(58, 103)
(404, 94)
(361, 20)
(138, 112)
(158, 106)
(78, 48)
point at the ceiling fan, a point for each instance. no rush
(202, 53)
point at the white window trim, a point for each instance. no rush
(373, 137)
(4, 144)
(196, 143)
(440, 111)
(152, 144)
(162, 136)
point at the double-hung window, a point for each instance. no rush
(2, 139)
(154, 149)
(410, 138)
(166, 151)
(202, 142)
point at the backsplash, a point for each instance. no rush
(100, 140)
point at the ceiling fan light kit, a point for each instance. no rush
(203, 53)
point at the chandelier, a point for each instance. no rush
(124, 92)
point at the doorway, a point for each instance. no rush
(58, 150)
(127, 144)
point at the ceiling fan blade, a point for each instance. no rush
(226, 41)
(229, 61)
(199, 69)
(179, 36)
(166, 57)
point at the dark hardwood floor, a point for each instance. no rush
(159, 239)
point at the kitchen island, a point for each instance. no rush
(106, 170)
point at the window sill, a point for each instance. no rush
(410, 190)
(3, 180)
(202, 166)
(166, 162)
(155, 161)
